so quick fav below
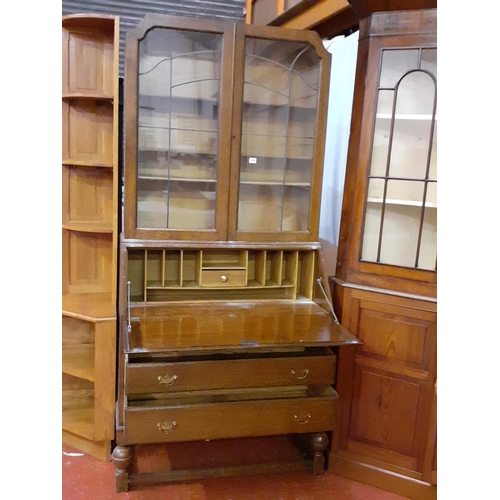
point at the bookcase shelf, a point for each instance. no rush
(89, 229)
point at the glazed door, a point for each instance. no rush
(397, 194)
(178, 115)
(279, 122)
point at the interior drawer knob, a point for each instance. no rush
(301, 377)
(223, 278)
(167, 427)
(304, 421)
(167, 380)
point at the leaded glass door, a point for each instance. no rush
(279, 125)
(401, 205)
(180, 85)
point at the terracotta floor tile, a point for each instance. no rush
(86, 478)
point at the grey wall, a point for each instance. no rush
(132, 11)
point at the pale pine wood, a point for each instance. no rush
(104, 392)
(99, 450)
(90, 232)
(317, 13)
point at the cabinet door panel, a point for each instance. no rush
(393, 380)
(384, 411)
(178, 119)
(278, 140)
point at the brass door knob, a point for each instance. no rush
(223, 278)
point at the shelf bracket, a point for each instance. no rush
(330, 305)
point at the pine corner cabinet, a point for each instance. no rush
(385, 284)
(89, 230)
(226, 325)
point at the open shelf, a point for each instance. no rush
(89, 227)
(89, 306)
(411, 203)
(87, 97)
(78, 413)
(79, 361)
(388, 116)
(90, 56)
(84, 163)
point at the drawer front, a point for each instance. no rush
(228, 420)
(200, 375)
(223, 277)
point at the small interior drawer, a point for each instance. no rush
(223, 277)
(272, 412)
(274, 370)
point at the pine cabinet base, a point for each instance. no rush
(380, 477)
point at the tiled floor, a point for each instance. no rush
(86, 478)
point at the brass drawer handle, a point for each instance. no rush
(223, 278)
(166, 427)
(296, 418)
(306, 372)
(167, 380)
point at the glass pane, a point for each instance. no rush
(191, 205)
(178, 116)
(400, 217)
(428, 254)
(152, 203)
(296, 208)
(400, 235)
(429, 61)
(260, 207)
(278, 131)
(395, 63)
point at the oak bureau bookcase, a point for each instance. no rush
(226, 328)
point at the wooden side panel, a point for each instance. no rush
(87, 260)
(89, 129)
(90, 64)
(104, 388)
(88, 196)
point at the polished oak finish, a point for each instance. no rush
(226, 322)
(89, 229)
(239, 131)
(385, 285)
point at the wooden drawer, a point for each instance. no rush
(217, 420)
(225, 374)
(223, 277)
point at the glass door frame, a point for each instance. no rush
(272, 33)
(358, 267)
(226, 30)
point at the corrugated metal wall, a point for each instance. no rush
(132, 11)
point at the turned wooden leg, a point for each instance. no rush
(122, 458)
(319, 442)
